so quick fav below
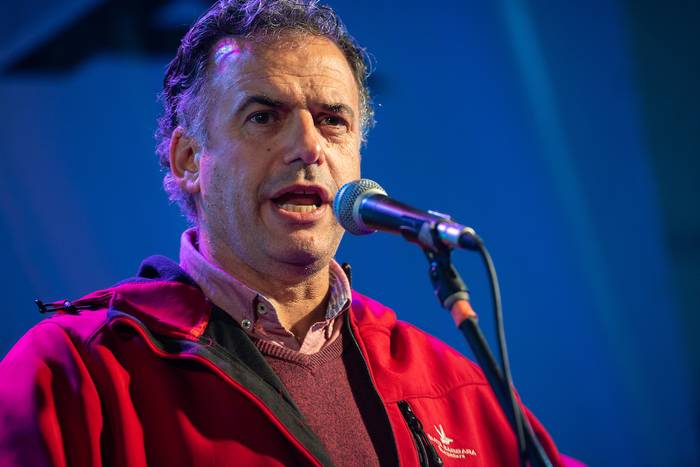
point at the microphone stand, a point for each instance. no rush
(452, 293)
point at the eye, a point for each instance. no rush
(263, 117)
(333, 121)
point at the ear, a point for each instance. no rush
(184, 160)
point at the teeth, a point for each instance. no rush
(298, 207)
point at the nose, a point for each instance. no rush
(306, 143)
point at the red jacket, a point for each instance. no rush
(129, 377)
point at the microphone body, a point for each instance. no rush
(363, 207)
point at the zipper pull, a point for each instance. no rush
(426, 451)
(62, 306)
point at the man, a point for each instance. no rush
(254, 349)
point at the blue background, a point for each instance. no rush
(566, 133)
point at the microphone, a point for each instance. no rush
(363, 207)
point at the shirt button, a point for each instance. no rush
(246, 324)
(262, 309)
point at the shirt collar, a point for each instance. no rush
(252, 310)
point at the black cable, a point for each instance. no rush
(503, 349)
(449, 287)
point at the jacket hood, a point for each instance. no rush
(162, 296)
(160, 268)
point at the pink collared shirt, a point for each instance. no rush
(253, 311)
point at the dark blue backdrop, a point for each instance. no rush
(525, 122)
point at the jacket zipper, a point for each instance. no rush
(427, 455)
(146, 335)
(371, 382)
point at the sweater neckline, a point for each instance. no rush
(310, 361)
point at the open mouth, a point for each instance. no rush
(299, 201)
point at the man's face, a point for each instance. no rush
(284, 135)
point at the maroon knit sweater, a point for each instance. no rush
(333, 392)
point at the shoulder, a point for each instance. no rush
(52, 357)
(84, 333)
(60, 337)
(405, 360)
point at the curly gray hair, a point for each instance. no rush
(184, 96)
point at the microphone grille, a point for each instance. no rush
(345, 200)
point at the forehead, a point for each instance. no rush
(299, 65)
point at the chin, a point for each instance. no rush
(302, 263)
(306, 256)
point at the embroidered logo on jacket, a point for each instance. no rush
(443, 438)
(443, 445)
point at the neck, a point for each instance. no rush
(300, 296)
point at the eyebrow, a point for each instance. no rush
(259, 99)
(336, 108)
(339, 109)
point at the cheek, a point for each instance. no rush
(232, 188)
(356, 169)
(205, 179)
(215, 183)
(347, 168)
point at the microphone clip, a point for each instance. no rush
(446, 281)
